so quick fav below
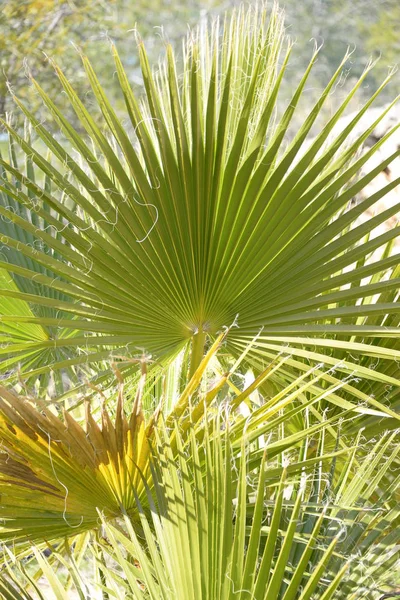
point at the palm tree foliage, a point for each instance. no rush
(297, 539)
(102, 461)
(213, 527)
(279, 504)
(10, 306)
(79, 469)
(126, 249)
(161, 227)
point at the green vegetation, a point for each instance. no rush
(199, 335)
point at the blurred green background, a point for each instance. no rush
(33, 30)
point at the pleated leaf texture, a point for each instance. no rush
(60, 473)
(197, 208)
(215, 527)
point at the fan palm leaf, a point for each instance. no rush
(195, 208)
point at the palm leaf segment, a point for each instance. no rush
(195, 209)
(75, 469)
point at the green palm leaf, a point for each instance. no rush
(198, 210)
(213, 527)
(18, 207)
(100, 459)
(297, 549)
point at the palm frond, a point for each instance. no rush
(213, 527)
(198, 208)
(57, 471)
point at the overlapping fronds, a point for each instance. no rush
(223, 538)
(213, 527)
(78, 468)
(58, 471)
(196, 206)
